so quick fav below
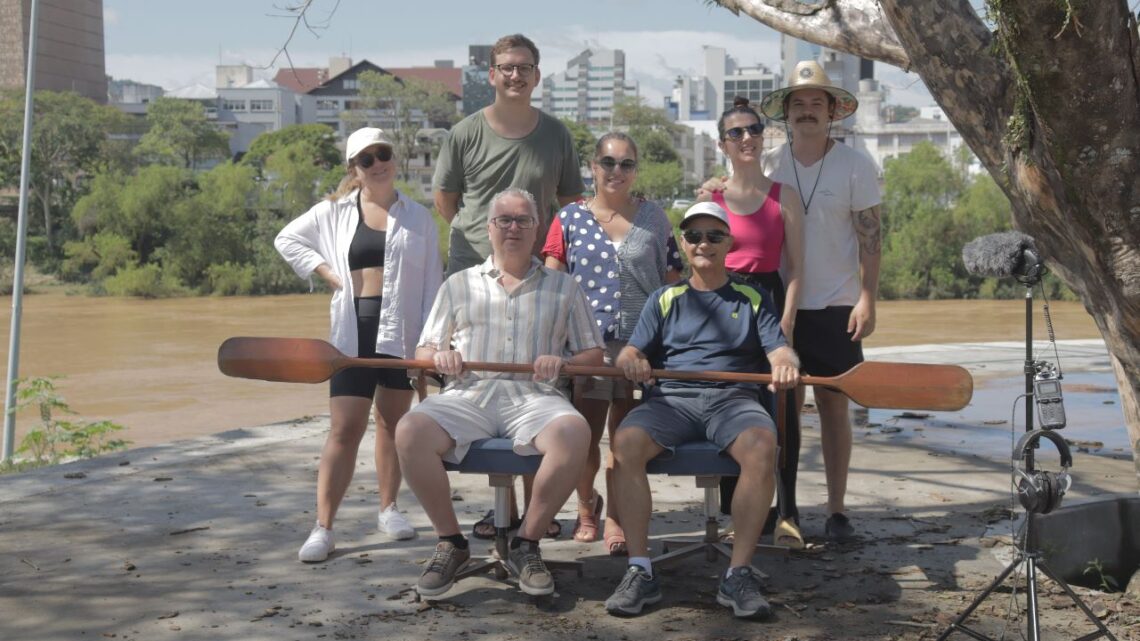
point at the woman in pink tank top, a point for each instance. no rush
(766, 220)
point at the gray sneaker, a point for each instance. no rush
(740, 591)
(636, 590)
(525, 562)
(440, 573)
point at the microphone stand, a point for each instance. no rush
(1031, 557)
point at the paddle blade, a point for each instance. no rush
(907, 386)
(287, 360)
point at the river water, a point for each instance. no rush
(151, 365)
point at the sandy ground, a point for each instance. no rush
(198, 540)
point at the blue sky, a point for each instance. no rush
(181, 42)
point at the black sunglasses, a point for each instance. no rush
(366, 158)
(610, 163)
(736, 134)
(695, 236)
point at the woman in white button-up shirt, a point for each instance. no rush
(379, 252)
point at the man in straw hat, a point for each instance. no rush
(840, 280)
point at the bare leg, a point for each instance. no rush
(390, 407)
(618, 410)
(632, 449)
(563, 443)
(835, 440)
(755, 451)
(594, 411)
(421, 444)
(347, 424)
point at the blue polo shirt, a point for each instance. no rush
(729, 329)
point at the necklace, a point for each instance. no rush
(807, 203)
(606, 221)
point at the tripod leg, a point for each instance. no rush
(1080, 604)
(1032, 625)
(957, 624)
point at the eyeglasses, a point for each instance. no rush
(365, 158)
(736, 134)
(505, 222)
(609, 163)
(695, 236)
(524, 69)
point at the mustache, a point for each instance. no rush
(807, 118)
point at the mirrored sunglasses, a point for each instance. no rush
(736, 134)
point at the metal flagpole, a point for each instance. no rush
(21, 240)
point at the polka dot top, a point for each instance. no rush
(617, 277)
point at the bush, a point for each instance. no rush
(230, 279)
(54, 440)
(147, 281)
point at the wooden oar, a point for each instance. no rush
(911, 386)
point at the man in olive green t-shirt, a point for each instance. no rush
(507, 144)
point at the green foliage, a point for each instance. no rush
(402, 108)
(147, 281)
(139, 207)
(1107, 582)
(584, 139)
(96, 257)
(230, 279)
(318, 142)
(70, 141)
(180, 135)
(54, 440)
(657, 180)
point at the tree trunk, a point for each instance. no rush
(1050, 106)
(45, 203)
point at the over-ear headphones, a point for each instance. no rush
(1041, 492)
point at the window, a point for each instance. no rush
(327, 105)
(261, 105)
(233, 105)
(349, 83)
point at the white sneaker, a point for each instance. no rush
(393, 523)
(318, 546)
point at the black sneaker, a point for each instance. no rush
(740, 590)
(525, 562)
(441, 569)
(636, 590)
(839, 529)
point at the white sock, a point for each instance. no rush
(728, 572)
(642, 562)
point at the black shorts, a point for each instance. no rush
(823, 342)
(363, 381)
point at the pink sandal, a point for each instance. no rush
(586, 527)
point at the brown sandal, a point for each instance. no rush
(586, 527)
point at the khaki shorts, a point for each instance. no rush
(467, 422)
(608, 388)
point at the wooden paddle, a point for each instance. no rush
(910, 386)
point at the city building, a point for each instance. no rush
(132, 97)
(477, 90)
(587, 90)
(248, 110)
(69, 46)
(706, 96)
(882, 140)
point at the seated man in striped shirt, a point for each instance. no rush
(509, 309)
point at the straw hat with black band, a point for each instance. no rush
(808, 74)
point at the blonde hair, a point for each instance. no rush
(347, 185)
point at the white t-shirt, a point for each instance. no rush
(849, 183)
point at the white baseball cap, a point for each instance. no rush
(362, 139)
(707, 208)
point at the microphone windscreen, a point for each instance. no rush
(998, 255)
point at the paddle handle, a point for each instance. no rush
(583, 370)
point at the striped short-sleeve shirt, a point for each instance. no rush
(547, 314)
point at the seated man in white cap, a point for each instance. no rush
(705, 323)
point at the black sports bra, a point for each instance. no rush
(367, 246)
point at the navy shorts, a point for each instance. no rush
(672, 416)
(823, 342)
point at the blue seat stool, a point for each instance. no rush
(703, 461)
(496, 458)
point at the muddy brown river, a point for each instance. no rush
(151, 365)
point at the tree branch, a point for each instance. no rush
(853, 26)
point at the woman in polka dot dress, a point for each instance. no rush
(620, 249)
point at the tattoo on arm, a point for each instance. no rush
(868, 229)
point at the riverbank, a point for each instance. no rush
(150, 365)
(198, 540)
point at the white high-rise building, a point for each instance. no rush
(587, 90)
(706, 96)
